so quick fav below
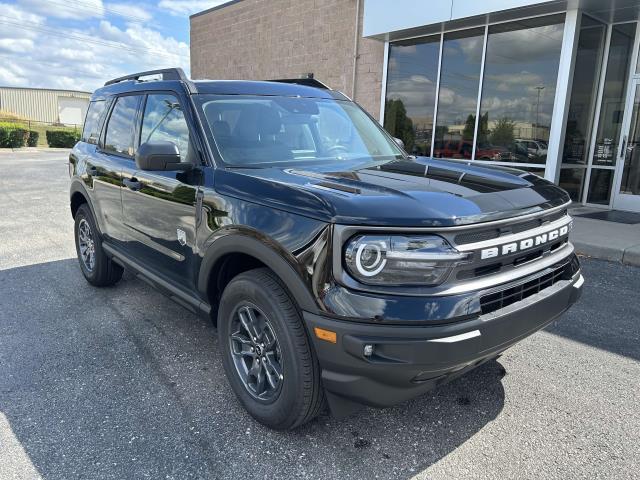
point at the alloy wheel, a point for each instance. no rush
(87, 245)
(256, 353)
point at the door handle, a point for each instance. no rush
(92, 170)
(132, 184)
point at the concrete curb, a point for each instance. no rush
(628, 256)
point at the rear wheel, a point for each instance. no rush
(96, 267)
(267, 356)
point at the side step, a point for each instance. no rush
(179, 296)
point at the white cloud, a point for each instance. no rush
(56, 56)
(77, 10)
(13, 20)
(11, 74)
(188, 7)
(522, 78)
(16, 45)
(139, 39)
(420, 79)
(525, 46)
(129, 11)
(19, 15)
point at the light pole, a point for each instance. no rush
(539, 88)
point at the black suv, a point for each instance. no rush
(337, 268)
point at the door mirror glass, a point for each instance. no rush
(160, 156)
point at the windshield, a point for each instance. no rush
(261, 131)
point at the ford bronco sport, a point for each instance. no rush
(338, 269)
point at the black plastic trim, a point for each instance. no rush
(174, 293)
(241, 243)
(409, 361)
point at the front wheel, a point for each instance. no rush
(266, 354)
(97, 268)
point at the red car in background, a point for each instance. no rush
(464, 148)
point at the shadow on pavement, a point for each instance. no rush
(608, 314)
(122, 383)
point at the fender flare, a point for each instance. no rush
(79, 187)
(243, 243)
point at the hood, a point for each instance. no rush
(423, 192)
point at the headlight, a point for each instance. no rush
(401, 260)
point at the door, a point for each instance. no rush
(610, 117)
(160, 206)
(72, 110)
(115, 150)
(627, 184)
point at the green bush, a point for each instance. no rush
(11, 137)
(11, 124)
(4, 137)
(19, 137)
(62, 138)
(32, 141)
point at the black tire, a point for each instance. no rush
(102, 272)
(299, 396)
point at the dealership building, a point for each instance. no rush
(550, 87)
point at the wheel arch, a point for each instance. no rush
(78, 196)
(239, 252)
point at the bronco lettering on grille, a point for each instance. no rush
(513, 247)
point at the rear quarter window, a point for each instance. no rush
(93, 121)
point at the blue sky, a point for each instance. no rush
(79, 44)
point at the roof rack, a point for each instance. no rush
(307, 82)
(167, 74)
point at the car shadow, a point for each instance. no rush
(607, 316)
(120, 382)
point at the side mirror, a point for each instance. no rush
(399, 142)
(160, 156)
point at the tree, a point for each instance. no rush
(483, 129)
(398, 124)
(503, 132)
(469, 128)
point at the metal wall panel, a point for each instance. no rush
(36, 104)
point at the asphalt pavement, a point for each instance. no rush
(121, 383)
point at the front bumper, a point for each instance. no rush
(410, 360)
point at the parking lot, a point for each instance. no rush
(123, 383)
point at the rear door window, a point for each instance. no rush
(121, 127)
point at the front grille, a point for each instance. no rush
(511, 261)
(497, 300)
(481, 235)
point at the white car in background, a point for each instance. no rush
(535, 148)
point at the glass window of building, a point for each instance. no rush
(458, 96)
(613, 95)
(584, 92)
(611, 115)
(518, 90)
(630, 184)
(411, 92)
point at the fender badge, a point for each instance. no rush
(182, 237)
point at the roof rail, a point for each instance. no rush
(167, 74)
(307, 82)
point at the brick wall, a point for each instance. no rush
(262, 39)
